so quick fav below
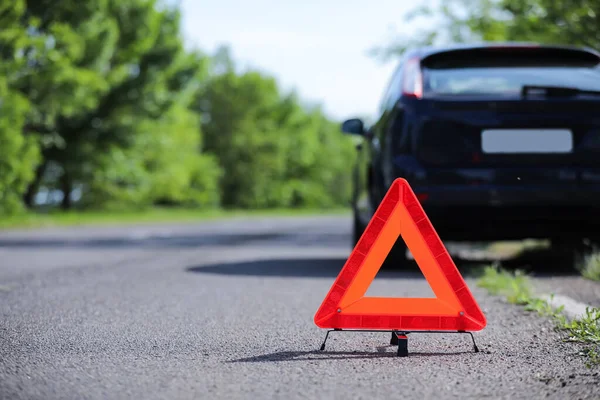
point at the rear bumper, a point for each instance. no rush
(501, 197)
(511, 213)
(511, 223)
(506, 203)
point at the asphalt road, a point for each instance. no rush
(223, 310)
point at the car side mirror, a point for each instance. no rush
(354, 126)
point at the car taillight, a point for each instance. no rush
(412, 79)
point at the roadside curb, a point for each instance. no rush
(572, 309)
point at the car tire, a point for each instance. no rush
(395, 260)
(593, 243)
(357, 230)
(573, 249)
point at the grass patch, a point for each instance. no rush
(147, 216)
(590, 266)
(517, 289)
(586, 330)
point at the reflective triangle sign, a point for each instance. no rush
(453, 308)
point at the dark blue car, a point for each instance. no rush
(500, 142)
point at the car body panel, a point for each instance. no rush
(435, 143)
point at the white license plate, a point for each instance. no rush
(527, 141)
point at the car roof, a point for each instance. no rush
(426, 51)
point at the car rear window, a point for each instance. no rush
(505, 72)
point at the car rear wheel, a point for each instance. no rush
(395, 260)
(357, 230)
(573, 249)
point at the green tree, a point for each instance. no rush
(47, 53)
(98, 75)
(273, 151)
(318, 158)
(161, 160)
(163, 167)
(101, 96)
(20, 154)
(241, 131)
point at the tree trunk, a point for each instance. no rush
(66, 186)
(34, 186)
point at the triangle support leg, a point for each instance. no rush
(326, 336)
(399, 338)
(402, 342)
(475, 348)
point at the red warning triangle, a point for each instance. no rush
(400, 214)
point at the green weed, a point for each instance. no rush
(517, 289)
(590, 266)
(543, 308)
(514, 286)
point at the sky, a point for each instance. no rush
(318, 48)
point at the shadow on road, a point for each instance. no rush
(316, 355)
(290, 268)
(308, 267)
(539, 262)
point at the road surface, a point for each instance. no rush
(223, 310)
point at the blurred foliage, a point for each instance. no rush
(566, 22)
(101, 97)
(19, 153)
(275, 152)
